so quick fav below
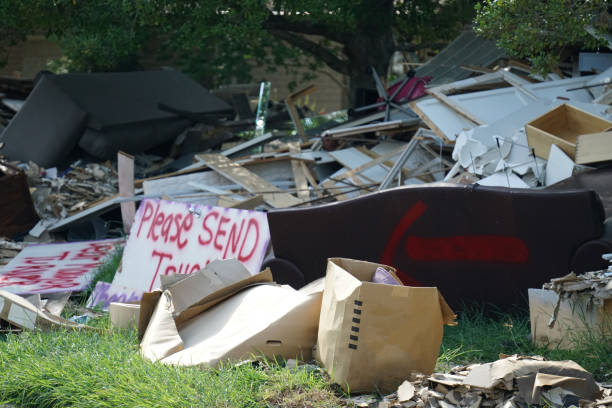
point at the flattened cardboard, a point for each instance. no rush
(373, 336)
(249, 317)
(269, 320)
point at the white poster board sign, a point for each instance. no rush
(50, 268)
(172, 237)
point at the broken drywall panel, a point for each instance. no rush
(170, 237)
(495, 104)
(352, 158)
(52, 268)
(503, 179)
(559, 166)
(318, 157)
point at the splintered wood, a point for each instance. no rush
(250, 181)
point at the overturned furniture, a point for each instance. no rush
(474, 243)
(17, 214)
(104, 113)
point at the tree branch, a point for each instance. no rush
(276, 22)
(314, 49)
(412, 47)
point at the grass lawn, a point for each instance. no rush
(68, 368)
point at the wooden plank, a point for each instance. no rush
(357, 130)
(456, 107)
(301, 184)
(180, 184)
(310, 178)
(249, 144)
(594, 147)
(250, 181)
(302, 92)
(295, 117)
(125, 170)
(249, 203)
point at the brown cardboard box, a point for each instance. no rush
(575, 317)
(562, 126)
(372, 336)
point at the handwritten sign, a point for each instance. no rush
(50, 268)
(105, 293)
(171, 237)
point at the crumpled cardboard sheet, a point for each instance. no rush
(24, 314)
(232, 322)
(373, 336)
(532, 375)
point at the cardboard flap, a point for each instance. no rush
(448, 316)
(219, 295)
(215, 276)
(161, 337)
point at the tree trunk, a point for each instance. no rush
(371, 46)
(363, 52)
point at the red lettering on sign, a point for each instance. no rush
(161, 255)
(220, 232)
(148, 213)
(233, 240)
(245, 257)
(207, 229)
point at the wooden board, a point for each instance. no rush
(250, 181)
(594, 147)
(301, 184)
(125, 170)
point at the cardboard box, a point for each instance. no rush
(24, 314)
(594, 147)
(562, 126)
(373, 336)
(124, 315)
(575, 317)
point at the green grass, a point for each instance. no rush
(84, 369)
(483, 334)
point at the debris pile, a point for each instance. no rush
(56, 197)
(511, 382)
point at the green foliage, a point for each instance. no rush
(539, 31)
(219, 41)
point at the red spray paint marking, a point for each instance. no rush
(407, 220)
(475, 248)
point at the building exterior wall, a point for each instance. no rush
(26, 59)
